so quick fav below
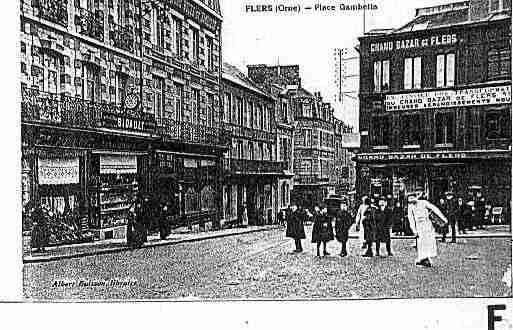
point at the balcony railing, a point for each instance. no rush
(67, 111)
(245, 166)
(310, 179)
(122, 37)
(251, 133)
(55, 11)
(90, 23)
(192, 133)
(57, 109)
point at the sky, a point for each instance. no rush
(309, 40)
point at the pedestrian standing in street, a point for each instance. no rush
(359, 220)
(462, 225)
(468, 213)
(451, 210)
(164, 220)
(343, 222)
(397, 216)
(442, 205)
(295, 227)
(480, 204)
(322, 231)
(383, 219)
(369, 227)
(40, 235)
(422, 227)
(245, 220)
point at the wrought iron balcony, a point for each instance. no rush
(55, 11)
(251, 133)
(90, 23)
(310, 179)
(122, 37)
(245, 166)
(192, 133)
(71, 112)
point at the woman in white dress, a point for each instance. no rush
(422, 227)
(359, 221)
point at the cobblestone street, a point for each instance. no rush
(260, 265)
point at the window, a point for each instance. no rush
(307, 110)
(158, 97)
(499, 63)
(413, 73)
(382, 131)
(195, 105)
(381, 76)
(179, 101)
(177, 26)
(498, 125)
(307, 133)
(194, 51)
(250, 113)
(260, 117)
(158, 30)
(120, 86)
(240, 111)
(285, 112)
(251, 151)
(445, 127)
(210, 110)
(227, 107)
(240, 150)
(499, 5)
(411, 130)
(445, 70)
(90, 82)
(210, 54)
(121, 12)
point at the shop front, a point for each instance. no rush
(188, 184)
(397, 174)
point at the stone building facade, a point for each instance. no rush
(121, 98)
(436, 104)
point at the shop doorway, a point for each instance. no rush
(252, 204)
(438, 188)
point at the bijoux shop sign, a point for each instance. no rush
(449, 98)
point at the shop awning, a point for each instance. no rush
(58, 171)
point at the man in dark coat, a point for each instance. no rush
(383, 220)
(462, 225)
(369, 227)
(296, 228)
(480, 204)
(322, 231)
(451, 212)
(40, 235)
(343, 222)
(164, 220)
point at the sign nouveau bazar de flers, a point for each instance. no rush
(435, 106)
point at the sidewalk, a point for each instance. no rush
(115, 246)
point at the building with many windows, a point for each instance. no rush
(253, 170)
(307, 122)
(344, 173)
(436, 103)
(121, 98)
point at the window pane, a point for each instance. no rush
(494, 5)
(451, 69)
(408, 73)
(377, 76)
(417, 72)
(505, 62)
(386, 75)
(440, 70)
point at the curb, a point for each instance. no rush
(146, 246)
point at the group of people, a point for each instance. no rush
(463, 215)
(322, 231)
(374, 221)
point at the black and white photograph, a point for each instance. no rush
(261, 150)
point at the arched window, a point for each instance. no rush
(208, 199)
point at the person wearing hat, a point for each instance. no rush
(451, 208)
(322, 231)
(296, 228)
(343, 222)
(383, 218)
(369, 228)
(422, 227)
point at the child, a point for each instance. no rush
(322, 231)
(343, 222)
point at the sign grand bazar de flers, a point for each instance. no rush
(435, 106)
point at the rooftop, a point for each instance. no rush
(236, 76)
